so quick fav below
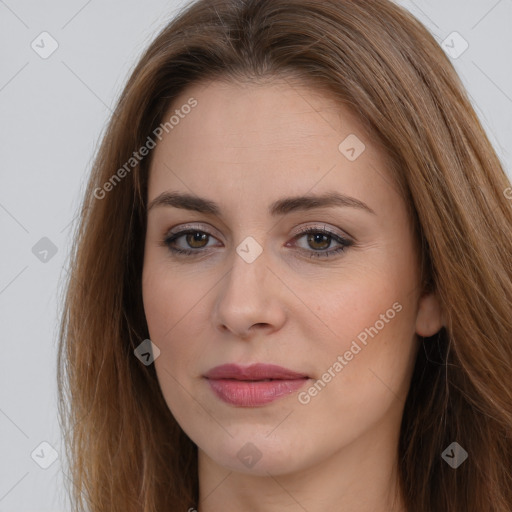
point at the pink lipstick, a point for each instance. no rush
(254, 385)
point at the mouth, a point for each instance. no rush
(254, 385)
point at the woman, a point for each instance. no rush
(291, 286)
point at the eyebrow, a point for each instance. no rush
(279, 207)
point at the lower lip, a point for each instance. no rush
(245, 393)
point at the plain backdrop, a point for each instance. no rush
(52, 113)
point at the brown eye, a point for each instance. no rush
(319, 241)
(197, 240)
(189, 242)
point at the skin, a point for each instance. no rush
(245, 146)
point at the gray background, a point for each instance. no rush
(52, 114)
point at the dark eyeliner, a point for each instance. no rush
(344, 242)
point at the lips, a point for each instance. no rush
(254, 372)
(254, 385)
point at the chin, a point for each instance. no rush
(255, 454)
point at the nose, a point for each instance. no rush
(250, 299)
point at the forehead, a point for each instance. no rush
(265, 138)
(278, 114)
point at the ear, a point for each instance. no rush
(429, 318)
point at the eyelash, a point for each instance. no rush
(344, 242)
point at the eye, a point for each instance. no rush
(188, 241)
(320, 240)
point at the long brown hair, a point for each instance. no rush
(126, 452)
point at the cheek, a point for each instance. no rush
(175, 313)
(368, 319)
(174, 305)
(350, 303)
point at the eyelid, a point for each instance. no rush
(323, 226)
(192, 226)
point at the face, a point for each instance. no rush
(294, 250)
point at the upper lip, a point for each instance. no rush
(258, 371)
